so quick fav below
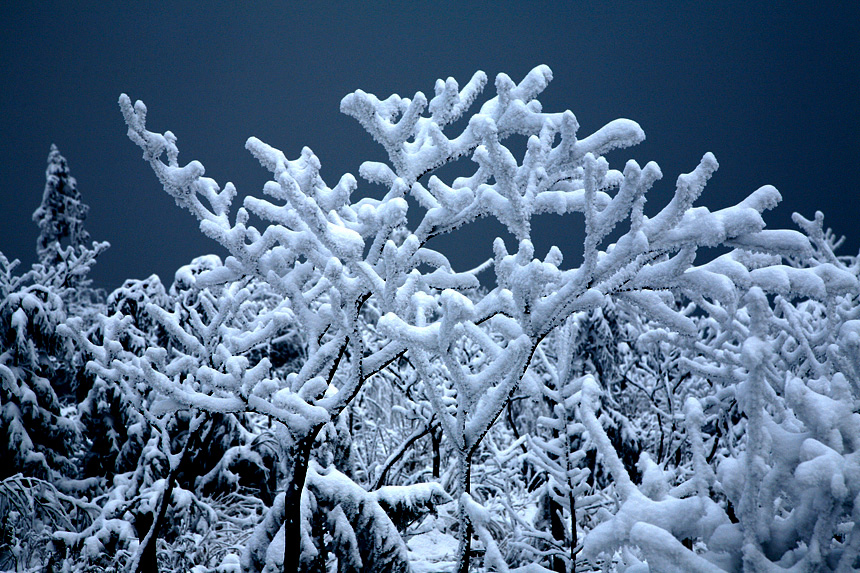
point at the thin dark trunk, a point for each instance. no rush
(512, 423)
(556, 528)
(436, 441)
(571, 488)
(148, 561)
(292, 507)
(466, 530)
(399, 453)
(573, 539)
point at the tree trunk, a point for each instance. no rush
(286, 512)
(464, 551)
(436, 441)
(556, 521)
(570, 418)
(147, 558)
(573, 539)
(292, 506)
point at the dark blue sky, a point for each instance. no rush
(770, 89)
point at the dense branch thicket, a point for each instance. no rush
(336, 396)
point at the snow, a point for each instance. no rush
(432, 550)
(230, 564)
(672, 415)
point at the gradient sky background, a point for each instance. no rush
(771, 89)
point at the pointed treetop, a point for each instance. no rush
(62, 213)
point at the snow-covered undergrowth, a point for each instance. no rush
(336, 395)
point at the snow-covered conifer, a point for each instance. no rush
(35, 439)
(62, 213)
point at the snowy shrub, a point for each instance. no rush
(326, 256)
(335, 395)
(769, 491)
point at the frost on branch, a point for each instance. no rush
(342, 264)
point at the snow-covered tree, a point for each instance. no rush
(327, 254)
(336, 395)
(35, 439)
(62, 213)
(157, 451)
(37, 365)
(769, 427)
(116, 429)
(40, 442)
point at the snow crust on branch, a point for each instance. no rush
(330, 256)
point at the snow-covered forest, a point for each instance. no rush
(681, 394)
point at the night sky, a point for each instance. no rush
(770, 89)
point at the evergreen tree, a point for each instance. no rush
(37, 364)
(62, 213)
(34, 439)
(40, 369)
